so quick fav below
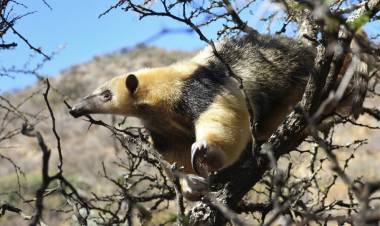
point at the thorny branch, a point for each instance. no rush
(29, 130)
(8, 23)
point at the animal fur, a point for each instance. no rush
(196, 105)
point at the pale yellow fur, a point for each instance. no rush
(158, 87)
(225, 124)
(162, 86)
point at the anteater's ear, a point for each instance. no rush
(132, 83)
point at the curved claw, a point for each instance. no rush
(198, 149)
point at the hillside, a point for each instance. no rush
(84, 148)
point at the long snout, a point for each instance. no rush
(87, 105)
(79, 110)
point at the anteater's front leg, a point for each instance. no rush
(222, 133)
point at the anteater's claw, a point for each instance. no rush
(198, 150)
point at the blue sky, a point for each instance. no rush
(75, 25)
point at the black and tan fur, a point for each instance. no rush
(196, 106)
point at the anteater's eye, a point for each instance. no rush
(107, 95)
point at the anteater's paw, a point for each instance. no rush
(206, 157)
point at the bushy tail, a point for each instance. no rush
(361, 48)
(360, 85)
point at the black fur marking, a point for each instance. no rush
(200, 90)
(159, 141)
(168, 140)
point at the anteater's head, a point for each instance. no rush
(113, 97)
(158, 88)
